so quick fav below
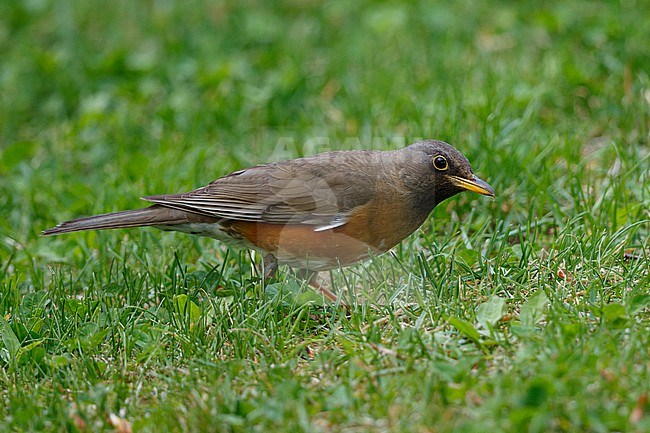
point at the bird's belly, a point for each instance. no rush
(293, 245)
(296, 245)
(300, 246)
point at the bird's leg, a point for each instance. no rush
(311, 277)
(270, 266)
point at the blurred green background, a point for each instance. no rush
(104, 102)
(187, 91)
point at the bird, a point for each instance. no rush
(314, 213)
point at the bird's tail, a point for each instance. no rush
(153, 215)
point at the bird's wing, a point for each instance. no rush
(290, 192)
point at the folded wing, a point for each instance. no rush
(291, 192)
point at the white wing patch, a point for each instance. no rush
(338, 221)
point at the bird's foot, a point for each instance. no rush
(312, 278)
(270, 266)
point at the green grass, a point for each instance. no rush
(529, 312)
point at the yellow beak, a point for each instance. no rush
(474, 185)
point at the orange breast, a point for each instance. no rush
(300, 246)
(367, 232)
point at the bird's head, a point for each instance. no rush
(434, 171)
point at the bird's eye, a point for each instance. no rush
(440, 163)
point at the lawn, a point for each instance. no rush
(527, 312)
